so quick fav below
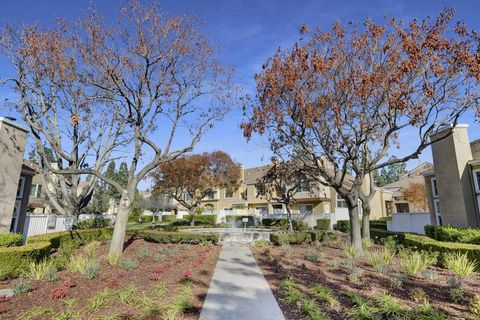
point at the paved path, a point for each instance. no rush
(238, 290)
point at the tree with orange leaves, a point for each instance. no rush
(189, 179)
(155, 74)
(416, 195)
(344, 98)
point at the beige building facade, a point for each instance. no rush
(453, 184)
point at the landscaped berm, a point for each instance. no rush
(80, 281)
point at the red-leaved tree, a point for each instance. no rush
(344, 98)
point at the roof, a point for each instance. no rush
(252, 175)
(413, 176)
(28, 170)
(475, 147)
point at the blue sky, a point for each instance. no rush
(247, 32)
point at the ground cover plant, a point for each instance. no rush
(136, 286)
(330, 280)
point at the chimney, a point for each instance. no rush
(450, 157)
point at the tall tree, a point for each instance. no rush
(389, 174)
(150, 71)
(280, 184)
(346, 96)
(71, 126)
(189, 179)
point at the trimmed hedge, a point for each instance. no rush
(14, 260)
(169, 218)
(426, 243)
(204, 220)
(10, 239)
(344, 225)
(378, 224)
(323, 224)
(179, 237)
(453, 234)
(290, 238)
(282, 223)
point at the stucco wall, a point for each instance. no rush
(12, 147)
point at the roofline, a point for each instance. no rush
(14, 124)
(449, 126)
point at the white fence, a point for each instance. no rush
(409, 222)
(36, 224)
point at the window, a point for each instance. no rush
(304, 185)
(36, 191)
(187, 196)
(21, 185)
(211, 195)
(228, 193)
(402, 207)
(436, 205)
(277, 209)
(262, 210)
(16, 212)
(434, 188)
(341, 203)
(305, 209)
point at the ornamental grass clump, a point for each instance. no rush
(380, 258)
(460, 264)
(412, 262)
(43, 270)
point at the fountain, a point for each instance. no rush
(237, 232)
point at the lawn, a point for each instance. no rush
(328, 280)
(150, 281)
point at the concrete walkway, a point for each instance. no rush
(238, 290)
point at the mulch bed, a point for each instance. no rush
(194, 261)
(276, 266)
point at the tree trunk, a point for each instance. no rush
(289, 218)
(192, 215)
(366, 220)
(118, 238)
(355, 233)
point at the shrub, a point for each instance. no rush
(10, 240)
(475, 305)
(313, 254)
(261, 243)
(38, 271)
(290, 238)
(58, 293)
(169, 218)
(412, 262)
(14, 261)
(417, 295)
(238, 220)
(204, 220)
(91, 248)
(323, 224)
(397, 280)
(70, 283)
(460, 264)
(325, 294)
(146, 219)
(98, 221)
(378, 224)
(375, 259)
(453, 234)
(389, 306)
(113, 258)
(21, 286)
(128, 264)
(144, 253)
(343, 226)
(351, 253)
(179, 237)
(91, 270)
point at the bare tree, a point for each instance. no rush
(71, 126)
(161, 74)
(189, 179)
(344, 97)
(280, 184)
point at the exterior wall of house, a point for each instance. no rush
(23, 199)
(453, 178)
(12, 147)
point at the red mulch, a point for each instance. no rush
(198, 260)
(276, 266)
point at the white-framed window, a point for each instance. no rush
(476, 183)
(262, 210)
(228, 193)
(21, 186)
(277, 208)
(15, 215)
(341, 203)
(305, 209)
(228, 209)
(187, 196)
(36, 191)
(304, 185)
(434, 187)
